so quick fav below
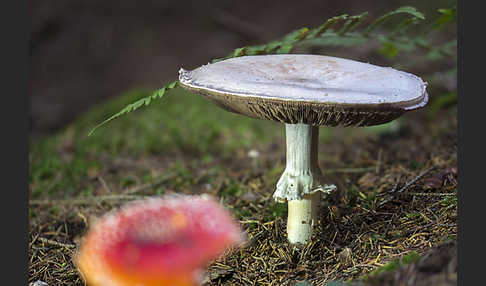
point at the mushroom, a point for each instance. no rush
(305, 92)
(156, 241)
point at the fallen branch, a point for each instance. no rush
(85, 201)
(391, 194)
(349, 170)
(104, 184)
(56, 243)
(144, 187)
(411, 182)
(432, 194)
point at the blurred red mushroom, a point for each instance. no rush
(158, 241)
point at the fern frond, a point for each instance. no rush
(447, 16)
(137, 104)
(339, 36)
(405, 9)
(352, 23)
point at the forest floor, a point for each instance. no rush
(393, 217)
(392, 220)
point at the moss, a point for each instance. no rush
(277, 210)
(180, 123)
(233, 189)
(449, 201)
(393, 265)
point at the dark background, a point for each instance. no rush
(86, 51)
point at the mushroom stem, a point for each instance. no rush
(302, 216)
(300, 182)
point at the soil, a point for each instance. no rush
(403, 205)
(437, 267)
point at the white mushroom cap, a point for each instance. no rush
(311, 89)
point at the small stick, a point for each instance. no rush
(53, 242)
(407, 185)
(34, 240)
(432, 194)
(104, 184)
(148, 186)
(378, 165)
(250, 242)
(395, 186)
(92, 200)
(349, 170)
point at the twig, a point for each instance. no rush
(144, 187)
(378, 164)
(53, 242)
(349, 170)
(104, 184)
(34, 240)
(82, 201)
(432, 194)
(395, 186)
(394, 189)
(421, 175)
(406, 186)
(254, 239)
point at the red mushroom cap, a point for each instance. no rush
(157, 241)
